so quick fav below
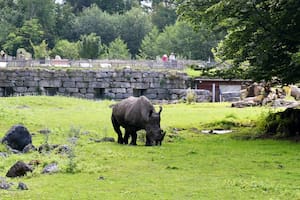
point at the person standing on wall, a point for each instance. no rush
(165, 59)
(172, 59)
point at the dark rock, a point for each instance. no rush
(29, 148)
(108, 139)
(17, 137)
(51, 168)
(18, 169)
(4, 184)
(96, 140)
(105, 139)
(101, 178)
(22, 186)
(64, 149)
(44, 131)
(45, 148)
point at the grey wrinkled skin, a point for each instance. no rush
(134, 114)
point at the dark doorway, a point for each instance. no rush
(99, 93)
(7, 91)
(51, 91)
(139, 92)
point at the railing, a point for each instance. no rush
(177, 64)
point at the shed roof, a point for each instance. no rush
(222, 80)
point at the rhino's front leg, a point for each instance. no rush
(120, 139)
(148, 141)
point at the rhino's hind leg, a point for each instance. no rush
(133, 138)
(126, 136)
(117, 129)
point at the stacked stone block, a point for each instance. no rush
(93, 84)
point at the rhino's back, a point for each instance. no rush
(133, 111)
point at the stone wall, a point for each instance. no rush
(94, 84)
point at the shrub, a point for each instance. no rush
(282, 124)
(190, 96)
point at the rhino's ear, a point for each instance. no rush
(160, 109)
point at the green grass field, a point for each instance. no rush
(189, 164)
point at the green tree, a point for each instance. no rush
(6, 29)
(65, 49)
(10, 19)
(65, 20)
(79, 5)
(44, 12)
(135, 24)
(12, 43)
(148, 50)
(94, 20)
(181, 39)
(263, 33)
(10, 13)
(30, 32)
(117, 49)
(89, 46)
(163, 16)
(15, 14)
(115, 6)
(185, 42)
(41, 50)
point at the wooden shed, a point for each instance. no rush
(221, 89)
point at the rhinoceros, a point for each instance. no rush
(134, 114)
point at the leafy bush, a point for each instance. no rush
(223, 124)
(282, 124)
(190, 96)
(71, 165)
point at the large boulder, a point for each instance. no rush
(18, 169)
(295, 92)
(17, 137)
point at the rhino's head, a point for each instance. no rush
(158, 142)
(154, 134)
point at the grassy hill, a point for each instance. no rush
(189, 164)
